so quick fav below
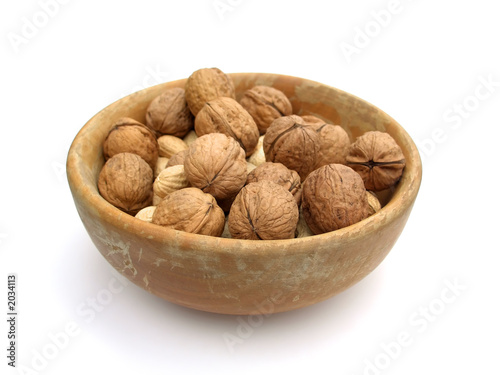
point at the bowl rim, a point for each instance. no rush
(402, 199)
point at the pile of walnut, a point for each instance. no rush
(249, 169)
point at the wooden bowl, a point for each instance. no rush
(232, 276)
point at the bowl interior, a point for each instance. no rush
(355, 115)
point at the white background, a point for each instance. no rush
(424, 63)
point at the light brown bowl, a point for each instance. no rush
(232, 276)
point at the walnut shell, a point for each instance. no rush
(169, 180)
(190, 210)
(258, 157)
(290, 141)
(277, 173)
(126, 181)
(373, 202)
(265, 104)
(161, 164)
(227, 116)
(169, 113)
(334, 144)
(129, 135)
(170, 145)
(205, 85)
(216, 164)
(333, 197)
(378, 159)
(263, 210)
(177, 159)
(146, 214)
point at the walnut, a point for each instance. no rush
(263, 210)
(333, 197)
(290, 141)
(170, 145)
(258, 157)
(190, 210)
(265, 104)
(334, 142)
(161, 164)
(146, 214)
(278, 173)
(129, 135)
(205, 85)
(378, 159)
(227, 116)
(177, 159)
(333, 145)
(216, 164)
(169, 113)
(126, 181)
(170, 180)
(373, 202)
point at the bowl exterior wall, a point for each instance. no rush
(240, 279)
